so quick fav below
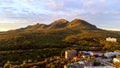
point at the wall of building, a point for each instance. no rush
(109, 39)
(69, 54)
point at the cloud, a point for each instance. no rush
(112, 12)
(28, 0)
(55, 5)
(46, 11)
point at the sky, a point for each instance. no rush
(16, 14)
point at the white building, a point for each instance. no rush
(116, 60)
(110, 54)
(96, 53)
(109, 39)
(69, 54)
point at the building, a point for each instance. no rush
(86, 55)
(116, 60)
(110, 54)
(69, 54)
(96, 53)
(109, 39)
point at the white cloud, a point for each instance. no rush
(112, 12)
(55, 5)
(46, 11)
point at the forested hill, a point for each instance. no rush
(59, 34)
(57, 25)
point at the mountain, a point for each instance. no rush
(61, 23)
(60, 33)
(39, 42)
(78, 23)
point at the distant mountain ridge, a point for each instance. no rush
(61, 23)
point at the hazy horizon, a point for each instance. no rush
(18, 14)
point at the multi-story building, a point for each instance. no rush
(69, 54)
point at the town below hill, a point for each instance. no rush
(40, 44)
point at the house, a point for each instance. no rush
(69, 54)
(83, 51)
(109, 39)
(86, 55)
(110, 54)
(116, 60)
(96, 53)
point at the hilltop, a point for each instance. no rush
(54, 35)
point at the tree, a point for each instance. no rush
(116, 65)
(71, 39)
(23, 64)
(50, 65)
(7, 65)
(80, 55)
